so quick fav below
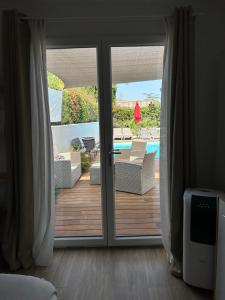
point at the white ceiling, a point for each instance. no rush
(77, 67)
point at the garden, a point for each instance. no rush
(80, 105)
(77, 118)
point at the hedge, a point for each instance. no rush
(79, 106)
(124, 116)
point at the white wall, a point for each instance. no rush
(63, 134)
(210, 44)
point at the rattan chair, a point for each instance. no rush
(67, 167)
(136, 176)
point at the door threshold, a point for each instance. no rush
(65, 242)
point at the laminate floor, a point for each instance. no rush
(115, 274)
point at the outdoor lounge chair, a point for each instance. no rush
(137, 150)
(155, 134)
(137, 176)
(127, 135)
(90, 145)
(117, 134)
(67, 169)
(145, 133)
(122, 134)
(77, 145)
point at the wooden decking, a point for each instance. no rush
(78, 211)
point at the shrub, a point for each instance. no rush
(151, 115)
(79, 106)
(114, 90)
(88, 106)
(135, 127)
(67, 111)
(124, 117)
(85, 162)
(54, 82)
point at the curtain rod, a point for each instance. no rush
(99, 18)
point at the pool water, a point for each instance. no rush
(150, 147)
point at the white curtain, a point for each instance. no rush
(165, 139)
(44, 197)
(177, 158)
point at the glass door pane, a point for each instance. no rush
(74, 112)
(136, 91)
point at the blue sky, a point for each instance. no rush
(137, 90)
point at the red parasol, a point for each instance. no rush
(137, 113)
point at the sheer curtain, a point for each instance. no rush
(43, 176)
(165, 139)
(177, 169)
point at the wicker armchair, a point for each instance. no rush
(67, 169)
(138, 150)
(136, 176)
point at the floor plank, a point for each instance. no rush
(115, 274)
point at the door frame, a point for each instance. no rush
(113, 240)
(103, 46)
(89, 241)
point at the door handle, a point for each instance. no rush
(116, 151)
(111, 153)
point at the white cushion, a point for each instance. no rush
(20, 287)
(75, 166)
(95, 165)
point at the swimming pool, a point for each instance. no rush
(151, 146)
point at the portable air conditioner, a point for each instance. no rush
(199, 237)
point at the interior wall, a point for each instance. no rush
(220, 145)
(208, 64)
(209, 98)
(3, 157)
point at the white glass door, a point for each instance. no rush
(133, 90)
(76, 111)
(106, 142)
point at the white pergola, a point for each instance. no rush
(78, 66)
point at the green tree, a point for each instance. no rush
(152, 97)
(54, 82)
(114, 90)
(92, 90)
(151, 115)
(66, 108)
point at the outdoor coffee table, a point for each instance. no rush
(95, 177)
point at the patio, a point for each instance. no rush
(78, 210)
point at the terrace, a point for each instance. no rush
(78, 210)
